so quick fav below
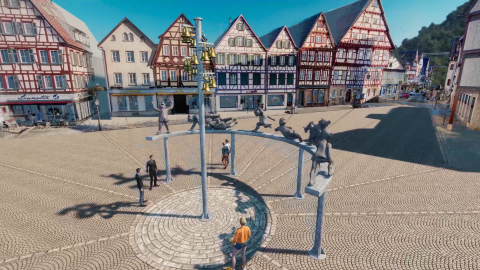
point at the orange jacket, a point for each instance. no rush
(241, 235)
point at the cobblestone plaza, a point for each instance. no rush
(70, 201)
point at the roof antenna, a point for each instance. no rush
(229, 21)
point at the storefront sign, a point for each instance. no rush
(42, 97)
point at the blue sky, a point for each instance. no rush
(405, 17)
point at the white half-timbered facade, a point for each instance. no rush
(281, 68)
(239, 68)
(316, 47)
(45, 63)
(363, 47)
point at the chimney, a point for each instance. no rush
(229, 21)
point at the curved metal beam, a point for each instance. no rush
(309, 148)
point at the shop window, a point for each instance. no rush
(148, 103)
(122, 103)
(133, 102)
(228, 102)
(276, 100)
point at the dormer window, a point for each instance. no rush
(113, 38)
(130, 37)
(125, 37)
(142, 39)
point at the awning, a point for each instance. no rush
(39, 102)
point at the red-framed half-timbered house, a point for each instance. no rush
(363, 47)
(316, 46)
(45, 63)
(281, 68)
(177, 86)
(239, 68)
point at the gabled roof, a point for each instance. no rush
(341, 19)
(56, 19)
(220, 38)
(129, 23)
(269, 39)
(474, 8)
(301, 30)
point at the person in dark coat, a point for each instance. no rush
(138, 178)
(152, 171)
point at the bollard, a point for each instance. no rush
(232, 156)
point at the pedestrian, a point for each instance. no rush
(227, 144)
(224, 155)
(239, 242)
(138, 177)
(152, 171)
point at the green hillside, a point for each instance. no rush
(438, 38)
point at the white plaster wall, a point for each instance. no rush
(470, 73)
(472, 41)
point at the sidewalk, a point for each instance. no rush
(178, 119)
(461, 145)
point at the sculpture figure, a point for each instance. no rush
(219, 124)
(163, 116)
(314, 131)
(262, 119)
(287, 132)
(324, 149)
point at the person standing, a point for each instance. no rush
(152, 171)
(227, 144)
(239, 242)
(224, 155)
(138, 177)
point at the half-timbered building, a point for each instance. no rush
(412, 61)
(177, 87)
(281, 68)
(239, 68)
(316, 46)
(363, 47)
(130, 85)
(46, 63)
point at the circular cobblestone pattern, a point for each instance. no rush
(170, 233)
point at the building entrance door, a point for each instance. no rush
(348, 95)
(180, 103)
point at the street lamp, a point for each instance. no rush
(97, 103)
(203, 52)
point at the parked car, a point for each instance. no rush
(411, 93)
(405, 95)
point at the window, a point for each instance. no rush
(327, 56)
(276, 100)
(166, 50)
(243, 59)
(273, 79)
(256, 59)
(278, 44)
(60, 82)
(317, 75)
(291, 60)
(130, 37)
(220, 59)
(302, 75)
(368, 54)
(164, 75)
(26, 56)
(30, 29)
(183, 51)
(55, 57)
(130, 57)
(244, 78)
(290, 79)
(281, 79)
(228, 101)
(257, 79)
(125, 37)
(282, 60)
(191, 51)
(350, 54)
(144, 57)
(132, 79)
(118, 79)
(185, 76)
(113, 38)
(312, 56)
(175, 51)
(273, 60)
(12, 82)
(5, 58)
(222, 78)
(233, 78)
(344, 75)
(12, 56)
(319, 57)
(355, 35)
(360, 54)
(48, 82)
(367, 19)
(340, 53)
(312, 39)
(73, 59)
(335, 75)
(241, 41)
(12, 3)
(249, 43)
(304, 56)
(364, 36)
(325, 74)
(173, 75)
(375, 21)
(309, 75)
(9, 28)
(286, 44)
(142, 39)
(318, 39)
(240, 26)
(231, 42)
(115, 56)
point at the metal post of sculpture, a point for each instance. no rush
(167, 161)
(232, 156)
(298, 194)
(317, 251)
(201, 116)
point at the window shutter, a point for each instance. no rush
(1, 28)
(60, 56)
(15, 80)
(278, 60)
(19, 28)
(250, 43)
(236, 41)
(288, 44)
(228, 59)
(40, 82)
(250, 60)
(270, 60)
(35, 31)
(64, 81)
(262, 60)
(32, 56)
(244, 42)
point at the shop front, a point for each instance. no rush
(29, 109)
(314, 97)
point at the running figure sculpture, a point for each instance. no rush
(287, 132)
(163, 116)
(262, 119)
(324, 149)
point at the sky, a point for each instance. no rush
(404, 17)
